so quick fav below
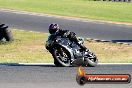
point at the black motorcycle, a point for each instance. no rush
(5, 33)
(67, 53)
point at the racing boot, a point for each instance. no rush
(83, 48)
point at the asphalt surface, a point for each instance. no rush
(96, 30)
(48, 76)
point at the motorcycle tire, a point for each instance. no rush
(91, 63)
(57, 61)
(1, 34)
(1, 37)
(8, 35)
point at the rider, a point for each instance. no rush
(55, 29)
(3, 28)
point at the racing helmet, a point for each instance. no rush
(53, 28)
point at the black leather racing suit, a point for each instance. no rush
(71, 36)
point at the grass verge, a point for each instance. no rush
(112, 11)
(28, 47)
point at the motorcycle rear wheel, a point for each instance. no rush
(92, 62)
(8, 35)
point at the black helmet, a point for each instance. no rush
(53, 28)
(3, 26)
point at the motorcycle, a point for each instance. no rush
(5, 33)
(67, 53)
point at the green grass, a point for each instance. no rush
(112, 11)
(28, 47)
(111, 52)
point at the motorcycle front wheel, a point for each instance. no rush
(61, 57)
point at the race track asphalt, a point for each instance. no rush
(48, 76)
(86, 29)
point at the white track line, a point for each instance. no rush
(53, 63)
(44, 64)
(36, 63)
